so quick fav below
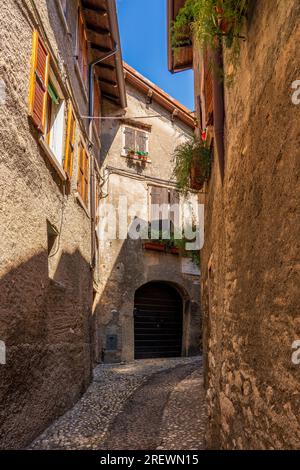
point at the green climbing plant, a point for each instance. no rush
(207, 20)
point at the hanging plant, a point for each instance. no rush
(207, 20)
(192, 164)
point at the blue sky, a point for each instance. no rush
(143, 29)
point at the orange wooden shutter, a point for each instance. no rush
(208, 86)
(39, 82)
(83, 173)
(82, 49)
(80, 168)
(86, 178)
(70, 141)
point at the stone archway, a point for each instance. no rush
(158, 321)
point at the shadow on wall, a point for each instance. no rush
(46, 325)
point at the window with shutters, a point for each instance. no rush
(46, 101)
(82, 49)
(164, 211)
(135, 142)
(83, 173)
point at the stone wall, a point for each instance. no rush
(250, 260)
(46, 303)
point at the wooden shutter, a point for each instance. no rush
(129, 139)
(159, 196)
(82, 48)
(80, 179)
(86, 178)
(39, 82)
(141, 141)
(174, 200)
(70, 141)
(208, 87)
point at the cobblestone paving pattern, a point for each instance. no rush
(114, 396)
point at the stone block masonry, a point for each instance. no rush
(250, 261)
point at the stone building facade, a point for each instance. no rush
(250, 259)
(50, 155)
(128, 264)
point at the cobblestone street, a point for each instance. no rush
(148, 404)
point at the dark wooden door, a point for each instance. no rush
(157, 321)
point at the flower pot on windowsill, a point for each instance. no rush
(155, 246)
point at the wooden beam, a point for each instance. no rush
(90, 7)
(108, 82)
(106, 66)
(100, 48)
(111, 97)
(97, 29)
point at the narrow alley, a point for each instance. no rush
(144, 405)
(150, 229)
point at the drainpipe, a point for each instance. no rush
(218, 103)
(92, 171)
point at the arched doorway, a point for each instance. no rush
(158, 310)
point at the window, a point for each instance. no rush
(55, 120)
(46, 101)
(83, 173)
(164, 209)
(82, 49)
(135, 141)
(70, 142)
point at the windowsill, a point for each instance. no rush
(63, 18)
(82, 204)
(82, 84)
(136, 158)
(52, 159)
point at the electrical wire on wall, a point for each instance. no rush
(61, 222)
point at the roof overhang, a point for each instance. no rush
(179, 58)
(152, 91)
(104, 38)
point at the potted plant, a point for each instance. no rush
(130, 152)
(207, 20)
(192, 164)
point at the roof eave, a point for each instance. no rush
(113, 21)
